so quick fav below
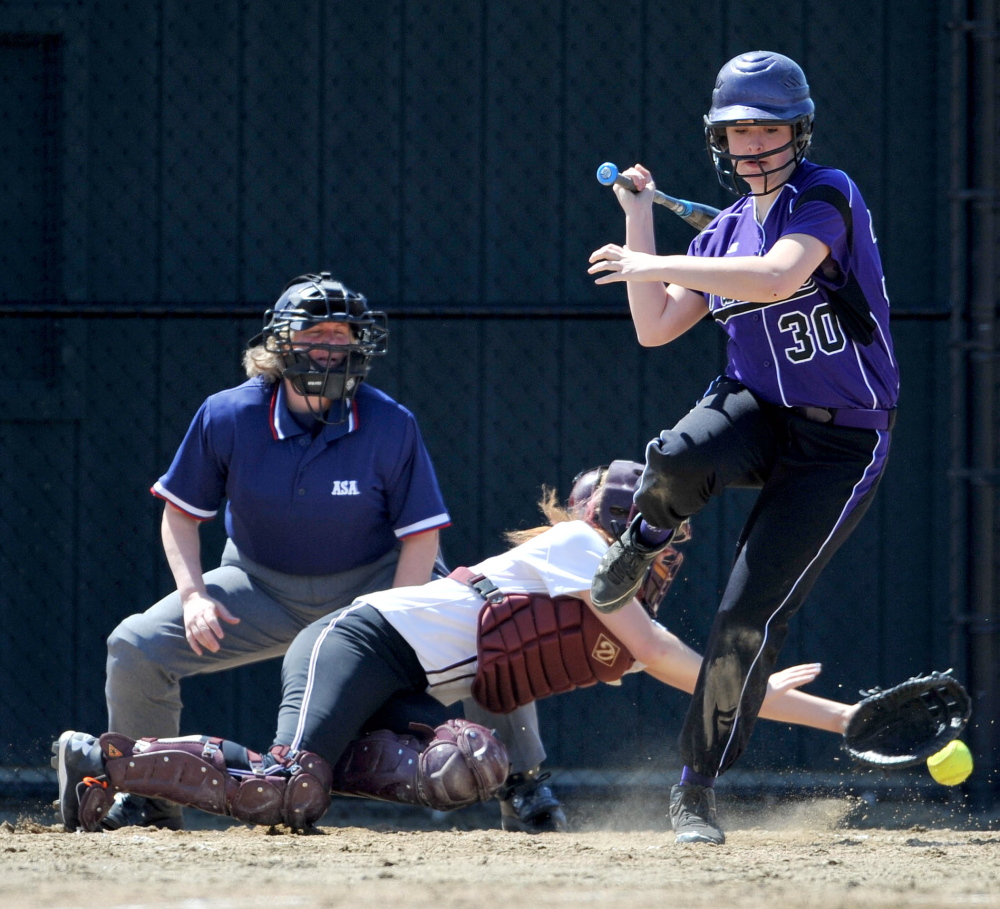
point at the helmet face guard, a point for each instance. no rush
(320, 370)
(335, 382)
(659, 576)
(760, 88)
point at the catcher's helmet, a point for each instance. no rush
(602, 496)
(616, 484)
(754, 88)
(310, 300)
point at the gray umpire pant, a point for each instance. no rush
(148, 653)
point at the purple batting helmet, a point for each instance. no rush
(753, 88)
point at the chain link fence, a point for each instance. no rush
(169, 165)
(91, 432)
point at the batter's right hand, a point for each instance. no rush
(642, 179)
(201, 622)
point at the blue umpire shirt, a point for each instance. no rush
(795, 352)
(304, 505)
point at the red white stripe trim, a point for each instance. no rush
(199, 513)
(353, 420)
(438, 522)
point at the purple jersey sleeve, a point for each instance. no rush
(821, 220)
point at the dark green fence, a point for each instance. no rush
(505, 405)
(168, 165)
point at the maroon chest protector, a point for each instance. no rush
(531, 645)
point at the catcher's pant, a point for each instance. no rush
(816, 482)
(148, 654)
(339, 673)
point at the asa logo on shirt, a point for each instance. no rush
(345, 488)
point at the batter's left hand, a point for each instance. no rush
(623, 264)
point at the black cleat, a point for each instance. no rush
(620, 573)
(527, 805)
(693, 815)
(76, 757)
(138, 811)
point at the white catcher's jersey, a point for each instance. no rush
(438, 620)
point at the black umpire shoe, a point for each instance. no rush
(138, 811)
(76, 756)
(622, 569)
(527, 805)
(693, 815)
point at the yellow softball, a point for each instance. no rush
(952, 764)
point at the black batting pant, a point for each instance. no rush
(816, 482)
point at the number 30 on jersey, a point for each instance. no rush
(818, 330)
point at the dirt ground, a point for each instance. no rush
(813, 854)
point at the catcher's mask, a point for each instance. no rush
(603, 497)
(310, 300)
(660, 575)
(758, 88)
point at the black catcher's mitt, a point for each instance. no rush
(906, 724)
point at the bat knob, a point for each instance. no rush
(607, 173)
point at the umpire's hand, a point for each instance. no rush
(201, 622)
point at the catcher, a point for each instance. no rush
(365, 690)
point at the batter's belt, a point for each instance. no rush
(849, 417)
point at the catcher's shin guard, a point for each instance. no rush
(281, 787)
(455, 765)
(96, 799)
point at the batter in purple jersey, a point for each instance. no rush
(795, 351)
(803, 412)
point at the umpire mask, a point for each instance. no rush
(322, 370)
